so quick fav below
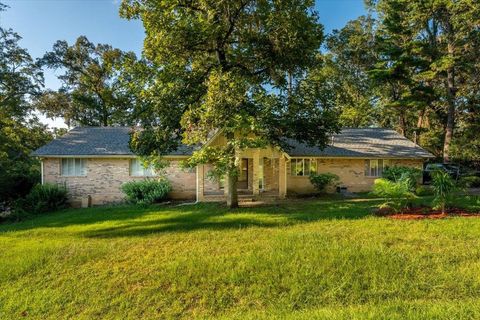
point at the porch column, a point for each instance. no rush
(200, 178)
(256, 171)
(282, 177)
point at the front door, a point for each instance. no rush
(243, 177)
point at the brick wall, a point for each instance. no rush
(105, 177)
(350, 171)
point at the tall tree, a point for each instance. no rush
(21, 79)
(351, 55)
(439, 32)
(92, 91)
(231, 66)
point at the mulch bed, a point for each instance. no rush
(427, 213)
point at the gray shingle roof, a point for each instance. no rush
(361, 143)
(114, 141)
(95, 141)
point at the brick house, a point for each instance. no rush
(94, 162)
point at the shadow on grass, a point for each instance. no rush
(218, 217)
(125, 221)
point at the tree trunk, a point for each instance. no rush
(402, 123)
(232, 196)
(418, 130)
(451, 93)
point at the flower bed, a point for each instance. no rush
(418, 213)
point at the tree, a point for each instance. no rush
(238, 67)
(439, 43)
(94, 88)
(20, 131)
(351, 54)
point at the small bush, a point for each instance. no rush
(41, 199)
(470, 182)
(397, 194)
(444, 186)
(322, 180)
(423, 191)
(407, 174)
(146, 191)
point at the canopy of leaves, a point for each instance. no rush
(235, 66)
(95, 89)
(21, 79)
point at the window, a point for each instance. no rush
(138, 170)
(375, 167)
(303, 167)
(72, 167)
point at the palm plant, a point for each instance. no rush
(443, 186)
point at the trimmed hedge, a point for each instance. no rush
(147, 191)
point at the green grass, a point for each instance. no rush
(313, 259)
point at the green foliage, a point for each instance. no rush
(322, 180)
(397, 194)
(444, 187)
(470, 182)
(424, 191)
(407, 174)
(210, 72)
(146, 191)
(95, 86)
(21, 80)
(42, 199)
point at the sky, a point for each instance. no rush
(42, 22)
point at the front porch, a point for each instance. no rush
(262, 176)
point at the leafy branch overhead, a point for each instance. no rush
(236, 67)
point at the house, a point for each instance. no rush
(96, 161)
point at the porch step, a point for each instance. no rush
(242, 198)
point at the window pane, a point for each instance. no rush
(64, 167)
(148, 171)
(135, 167)
(292, 167)
(306, 170)
(373, 168)
(71, 167)
(313, 166)
(299, 168)
(380, 168)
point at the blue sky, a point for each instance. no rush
(42, 22)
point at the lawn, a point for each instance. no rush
(303, 260)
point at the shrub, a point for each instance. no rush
(146, 191)
(444, 187)
(397, 194)
(408, 174)
(321, 180)
(41, 199)
(470, 182)
(423, 191)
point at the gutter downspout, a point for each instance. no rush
(41, 171)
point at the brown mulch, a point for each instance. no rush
(427, 213)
